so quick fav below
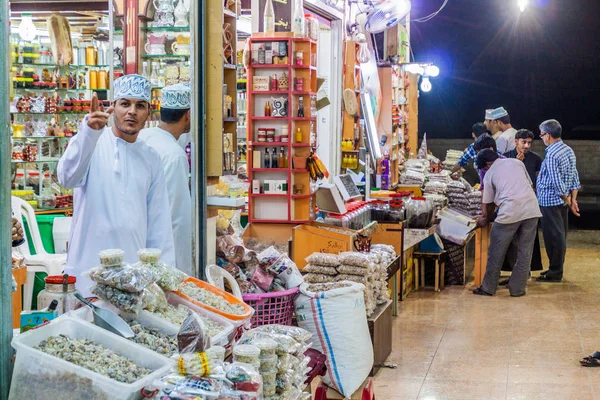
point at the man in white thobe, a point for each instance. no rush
(120, 198)
(505, 142)
(175, 120)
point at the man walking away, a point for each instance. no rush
(557, 189)
(509, 188)
(501, 122)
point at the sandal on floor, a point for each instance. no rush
(479, 291)
(591, 361)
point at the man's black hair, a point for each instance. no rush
(485, 156)
(524, 134)
(171, 116)
(484, 142)
(479, 129)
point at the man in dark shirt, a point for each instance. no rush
(532, 161)
(533, 164)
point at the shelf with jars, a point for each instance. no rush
(281, 128)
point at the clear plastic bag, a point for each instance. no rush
(193, 337)
(124, 301)
(354, 258)
(246, 353)
(352, 270)
(319, 269)
(176, 387)
(168, 277)
(352, 278)
(287, 271)
(244, 377)
(319, 278)
(325, 259)
(198, 364)
(154, 298)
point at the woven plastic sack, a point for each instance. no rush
(337, 319)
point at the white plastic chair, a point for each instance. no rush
(216, 276)
(42, 261)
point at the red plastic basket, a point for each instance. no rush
(272, 308)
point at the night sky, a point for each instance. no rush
(539, 64)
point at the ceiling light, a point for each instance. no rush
(27, 30)
(523, 4)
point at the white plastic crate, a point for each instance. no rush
(151, 320)
(48, 373)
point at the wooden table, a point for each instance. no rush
(482, 242)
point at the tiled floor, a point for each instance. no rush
(454, 345)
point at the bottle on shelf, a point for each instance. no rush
(154, 75)
(274, 159)
(301, 106)
(267, 109)
(298, 19)
(145, 72)
(269, 17)
(267, 158)
(161, 78)
(281, 162)
(299, 136)
(261, 54)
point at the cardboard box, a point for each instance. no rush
(316, 238)
(257, 159)
(255, 186)
(268, 57)
(254, 53)
(391, 234)
(260, 83)
(270, 234)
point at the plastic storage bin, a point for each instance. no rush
(231, 299)
(221, 339)
(39, 375)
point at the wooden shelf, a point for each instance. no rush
(269, 118)
(261, 92)
(269, 169)
(268, 195)
(280, 66)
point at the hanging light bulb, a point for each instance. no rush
(363, 50)
(523, 4)
(426, 84)
(432, 70)
(27, 30)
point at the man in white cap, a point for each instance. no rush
(501, 122)
(120, 193)
(489, 124)
(175, 120)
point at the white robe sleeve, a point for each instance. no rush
(176, 177)
(160, 232)
(74, 164)
(502, 145)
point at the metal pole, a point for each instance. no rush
(5, 209)
(198, 140)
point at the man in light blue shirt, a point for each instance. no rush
(557, 189)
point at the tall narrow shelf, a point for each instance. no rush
(294, 205)
(221, 82)
(352, 81)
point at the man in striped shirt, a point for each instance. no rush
(477, 130)
(557, 189)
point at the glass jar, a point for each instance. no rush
(46, 201)
(397, 213)
(419, 213)
(60, 288)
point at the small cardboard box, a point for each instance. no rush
(320, 238)
(270, 234)
(254, 53)
(255, 186)
(260, 83)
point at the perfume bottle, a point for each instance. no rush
(274, 160)
(281, 161)
(301, 107)
(299, 136)
(267, 109)
(267, 158)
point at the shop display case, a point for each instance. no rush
(352, 124)
(50, 95)
(281, 133)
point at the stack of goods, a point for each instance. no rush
(167, 277)
(474, 208)
(279, 353)
(264, 271)
(439, 202)
(457, 194)
(369, 269)
(200, 371)
(452, 157)
(128, 288)
(410, 177)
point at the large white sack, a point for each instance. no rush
(338, 321)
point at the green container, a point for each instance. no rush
(45, 223)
